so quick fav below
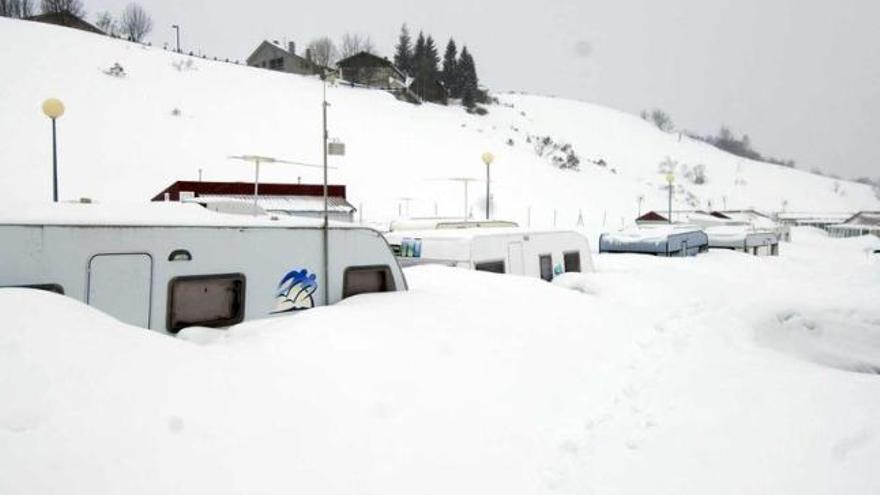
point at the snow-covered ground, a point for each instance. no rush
(126, 139)
(724, 373)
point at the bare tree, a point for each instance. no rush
(352, 44)
(135, 23)
(105, 22)
(323, 51)
(662, 120)
(16, 8)
(74, 7)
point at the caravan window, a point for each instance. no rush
(205, 300)
(367, 279)
(490, 266)
(545, 261)
(572, 260)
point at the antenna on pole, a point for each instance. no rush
(465, 181)
(257, 160)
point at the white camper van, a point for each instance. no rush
(518, 251)
(166, 266)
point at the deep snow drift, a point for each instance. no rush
(659, 375)
(127, 138)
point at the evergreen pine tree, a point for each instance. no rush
(450, 69)
(403, 54)
(467, 78)
(418, 63)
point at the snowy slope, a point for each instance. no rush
(723, 374)
(120, 141)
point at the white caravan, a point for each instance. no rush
(166, 266)
(743, 238)
(430, 223)
(534, 253)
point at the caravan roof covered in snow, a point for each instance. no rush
(674, 239)
(447, 223)
(739, 237)
(170, 214)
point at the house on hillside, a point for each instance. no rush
(270, 55)
(66, 19)
(303, 200)
(862, 223)
(366, 69)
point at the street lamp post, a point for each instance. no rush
(670, 179)
(177, 30)
(53, 108)
(488, 158)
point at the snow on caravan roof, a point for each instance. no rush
(737, 235)
(152, 214)
(649, 233)
(467, 234)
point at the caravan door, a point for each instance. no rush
(120, 285)
(515, 258)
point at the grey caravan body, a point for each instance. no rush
(518, 251)
(742, 238)
(165, 266)
(659, 240)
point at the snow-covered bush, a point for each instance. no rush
(696, 174)
(115, 70)
(561, 155)
(184, 64)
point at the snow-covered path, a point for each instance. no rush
(722, 373)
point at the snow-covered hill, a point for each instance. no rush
(126, 138)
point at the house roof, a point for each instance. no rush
(867, 218)
(279, 49)
(652, 216)
(247, 188)
(66, 19)
(369, 59)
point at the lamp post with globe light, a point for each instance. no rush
(488, 158)
(53, 108)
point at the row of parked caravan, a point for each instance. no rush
(167, 265)
(695, 232)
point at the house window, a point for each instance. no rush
(205, 300)
(490, 266)
(276, 63)
(367, 279)
(545, 261)
(572, 261)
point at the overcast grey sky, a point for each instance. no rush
(801, 77)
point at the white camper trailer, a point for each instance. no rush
(447, 223)
(518, 251)
(166, 266)
(743, 238)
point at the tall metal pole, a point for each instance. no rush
(670, 201)
(326, 241)
(465, 200)
(256, 184)
(487, 191)
(177, 30)
(54, 165)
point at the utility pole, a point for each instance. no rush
(177, 30)
(326, 237)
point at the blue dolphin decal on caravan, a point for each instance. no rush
(295, 291)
